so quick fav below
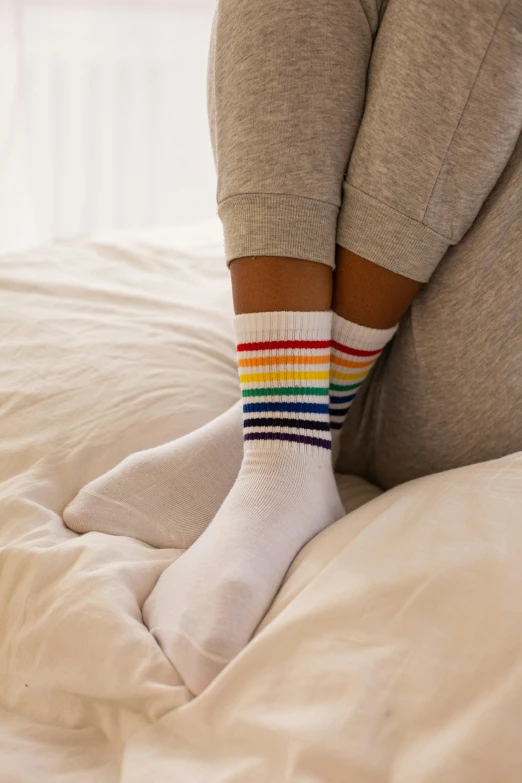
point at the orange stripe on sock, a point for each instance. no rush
(350, 364)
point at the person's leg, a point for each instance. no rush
(426, 174)
(286, 97)
(421, 413)
(368, 303)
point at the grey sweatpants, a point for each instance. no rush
(393, 129)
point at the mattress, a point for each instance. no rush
(392, 650)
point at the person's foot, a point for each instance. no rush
(206, 605)
(168, 495)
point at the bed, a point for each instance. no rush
(391, 652)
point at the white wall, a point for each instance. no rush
(114, 97)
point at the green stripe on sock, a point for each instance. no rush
(337, 387)
(291, 390)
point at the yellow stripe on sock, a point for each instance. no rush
(352, 376)
(287, 359)
(297, 375)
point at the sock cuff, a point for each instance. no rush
(361, 337)
(274, 326)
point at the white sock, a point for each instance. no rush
(208, 603)
(165, 496)
(355, 349)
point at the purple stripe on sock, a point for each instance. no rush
(324, 444)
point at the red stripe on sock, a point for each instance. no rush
(354, 351)
(277, 344)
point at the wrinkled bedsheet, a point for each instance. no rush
(392, 651)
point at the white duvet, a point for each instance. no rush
(393, 651)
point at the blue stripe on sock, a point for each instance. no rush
(348, 398)
(291, 407)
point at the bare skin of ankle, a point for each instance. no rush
(359, 290)
(269, 284)
(368, 294)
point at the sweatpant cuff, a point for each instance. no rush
(388, 238)
(264, 224)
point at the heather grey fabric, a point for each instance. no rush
(393, 129)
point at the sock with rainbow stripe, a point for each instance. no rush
(206, 605)
(284, 382)
(355, 349)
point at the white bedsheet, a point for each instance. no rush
(393, 650)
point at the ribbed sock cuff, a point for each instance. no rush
(284, 372)
(361, 337)
(355, 349)
(256, 327)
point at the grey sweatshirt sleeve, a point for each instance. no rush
(380, 127)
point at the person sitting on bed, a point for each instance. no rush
(381, 140)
